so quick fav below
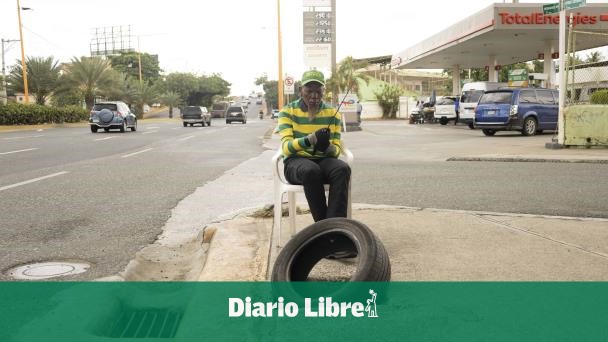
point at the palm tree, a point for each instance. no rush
(42, 77)
(144, 93)
(347, 77)
(594, 56)
(92, 76)
(171, 99)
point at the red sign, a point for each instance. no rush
(541, 56)
(487, 67)
(555, 55)
(497, 67)
(544, 19)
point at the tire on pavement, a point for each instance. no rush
(328, 237)
(443, 120)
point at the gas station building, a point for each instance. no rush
(503, 34)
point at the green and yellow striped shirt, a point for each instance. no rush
(294, 126)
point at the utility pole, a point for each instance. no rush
(25, 86)
(3, 94)
(333, 48)
(280, 82)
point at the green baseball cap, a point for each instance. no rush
(313, 76)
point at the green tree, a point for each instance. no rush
(143, 93)
(42, 77)
(388, 99)
(172, 100)
(90, 76)
(209, 87)
(128, 63)
(538, 66)
(181, 83)
(347, 77)
(594, 57)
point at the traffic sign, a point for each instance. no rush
(551, 8)
(572, 4)
(289, 85)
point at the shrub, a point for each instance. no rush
(388, 99)
(600, 97)
(20, 114)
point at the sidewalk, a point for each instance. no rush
(426, 244)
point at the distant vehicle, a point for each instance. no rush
(192, 115)
(236, 113)
(471, 92)
(445, 109)
(244, 103)
(258, 101)
(275, 114)
(112, 114)
(527, 110)
(218, 110)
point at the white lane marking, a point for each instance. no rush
(153, 127)
(106, 138)
(29, 149)
(186, 138)
(32, 180)
(24, 137)
(150, 132)
(135, 153)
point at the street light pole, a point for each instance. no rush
(3, 94)
(23, 67)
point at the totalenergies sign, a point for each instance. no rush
(545, 19)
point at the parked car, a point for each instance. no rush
(275, 114)
(195, 115)
(527, 110)
(445, 109)
(235, 113)
(218, 110)
(112, 115)
(471, 92)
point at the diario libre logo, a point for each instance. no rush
(320, 307)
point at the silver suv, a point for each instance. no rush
(112, 114)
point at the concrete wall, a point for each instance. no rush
(586, 125)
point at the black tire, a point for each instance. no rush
(209, 123)
(134, 127)
(471, 126)
(443, 121)
(94, 129)
(228, 122)
(123, 128)
(325, 238)
(488, 132)
(185, 124)
(530, 127)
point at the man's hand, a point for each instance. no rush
(322, 137)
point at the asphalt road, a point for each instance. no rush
(69, 194)
(401, 164)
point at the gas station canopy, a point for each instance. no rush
(502, 34)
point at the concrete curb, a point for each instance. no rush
(522, 159)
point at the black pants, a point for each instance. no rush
(313, 174)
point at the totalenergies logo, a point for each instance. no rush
(544, 19)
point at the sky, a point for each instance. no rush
(236, 38)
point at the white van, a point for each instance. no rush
(471, 92)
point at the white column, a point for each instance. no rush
(493, 73)
(562, 74)
(456, 80)
(548, 65)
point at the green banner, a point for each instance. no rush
(397, 311)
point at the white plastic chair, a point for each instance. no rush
(281, 186)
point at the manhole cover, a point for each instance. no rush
(44, 270)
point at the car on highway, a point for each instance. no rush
(192, 115)
(527, 110)
(236, 113)
(112, 115)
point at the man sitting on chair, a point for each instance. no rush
(310, 141)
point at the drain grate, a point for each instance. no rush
(146, 323)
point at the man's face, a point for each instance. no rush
(312, 94)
